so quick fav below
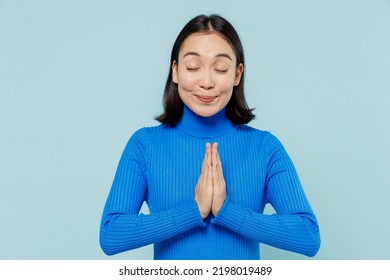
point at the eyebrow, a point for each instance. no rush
(218, 55)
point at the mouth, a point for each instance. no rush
(206, 99)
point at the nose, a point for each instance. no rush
(206, 82)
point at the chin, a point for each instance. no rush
(206, 115)
(206, 112)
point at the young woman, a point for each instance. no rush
(204, 173)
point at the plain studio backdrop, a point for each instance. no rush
(77, 78)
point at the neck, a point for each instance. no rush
(204, 127)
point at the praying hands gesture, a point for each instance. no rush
(210, 192)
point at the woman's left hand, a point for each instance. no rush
(219, 185)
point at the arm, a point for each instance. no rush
(122, 227)
(294, 226)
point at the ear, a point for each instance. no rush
(174, 72)
(239, 71)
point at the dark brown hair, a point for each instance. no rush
(237, 109)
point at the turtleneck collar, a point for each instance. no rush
(204, 127)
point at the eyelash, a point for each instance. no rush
(216, 70)
(192, 69)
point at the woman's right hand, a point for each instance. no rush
(204, 188)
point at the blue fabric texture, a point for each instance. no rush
(161, 165)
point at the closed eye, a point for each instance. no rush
(221, 70)
(192, 69)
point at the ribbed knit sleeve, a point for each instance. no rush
(294, 226)
(122, 227)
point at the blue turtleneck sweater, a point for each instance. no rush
(161, 165)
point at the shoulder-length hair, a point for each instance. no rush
(237, 109)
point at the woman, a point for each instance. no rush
(206, 175)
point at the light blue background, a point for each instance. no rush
(77, 78)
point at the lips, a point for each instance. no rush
(206, 99)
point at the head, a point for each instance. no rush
(206, 72)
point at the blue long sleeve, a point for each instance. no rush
(294, 227)
(123, 228)
(161, 165)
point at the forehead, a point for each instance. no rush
(206, 44)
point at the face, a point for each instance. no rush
(206, 73)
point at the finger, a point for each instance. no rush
(214, 155)
(219, 161)
(216, 159)
(208, 154)
(204, 163)
(206, 158)
(209, 174)
(219, 171)
(219, 164)
(209, 180)
(218, 179)
(206, 176)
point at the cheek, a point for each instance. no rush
(185, 81)
(186, 84)
(226, 84)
